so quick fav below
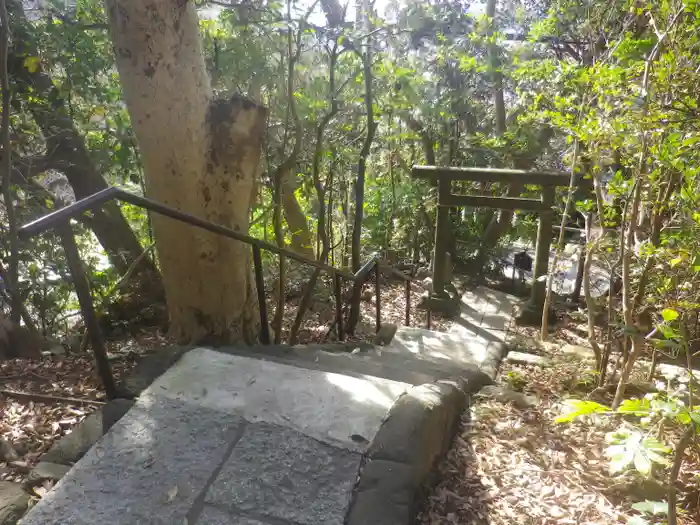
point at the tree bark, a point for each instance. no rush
(67, 152)
(366, 57)
(496, 75)
(301, 241)
(12, 275)
(201, 156)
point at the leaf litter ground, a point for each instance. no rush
(513, 465)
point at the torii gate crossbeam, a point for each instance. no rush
(443, 177)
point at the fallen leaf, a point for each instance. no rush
(172, 493)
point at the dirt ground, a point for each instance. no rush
(513, 464)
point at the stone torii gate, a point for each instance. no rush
(443, 177)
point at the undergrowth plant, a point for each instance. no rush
(642, 445)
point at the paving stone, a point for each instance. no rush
(497, 321)
(13, 502)
(213, 516)
(528, 359)
(72, 447)
(583, 353)
(283, 474)
(507, 395)
(329, 407)
(457, 349)
(148, 469)
(45, 470)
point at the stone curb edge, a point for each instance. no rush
(496, 352)
(399, 467)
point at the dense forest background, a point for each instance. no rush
(298, 123)
(355, 95)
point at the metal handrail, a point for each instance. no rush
(60, 221)
(112, 193)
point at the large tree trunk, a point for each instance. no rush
(201, 156)
(301, 241)
(66, 151)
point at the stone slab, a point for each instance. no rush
(439, 346)
(45, 470)
(70, 448)
(503, 394)
(500, 321)
(524, 358)
(13, 502)
(283, 474)
(386, 495)
(460, 351)
(213, 516)
(486, 300)
(149, 468)
(369, 361)
(485, 314)
(401, 461)
(584, 353)
(327, 406)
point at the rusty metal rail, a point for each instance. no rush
(59, 221)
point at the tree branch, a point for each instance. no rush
(6, 168)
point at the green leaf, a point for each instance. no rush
(695, 417)
(576, 408)
(651, 443)
(642, 463)
(651, 507)
(637, 520)
(669, 314)
(635, 406)
(620, 458)
(32, 64)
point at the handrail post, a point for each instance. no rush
(408, 303)
(377, 291)
(262, 304)
(339, 307)
(87, 307)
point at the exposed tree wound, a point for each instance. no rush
(226, 137)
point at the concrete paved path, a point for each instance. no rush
(476, 338)
(223, 439)
(485, 315)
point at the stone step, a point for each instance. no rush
(225, 438)
(221, 438)
(457, 351)
(365, 360)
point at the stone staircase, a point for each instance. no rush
(275, 435)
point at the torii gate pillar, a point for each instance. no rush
(531, 312)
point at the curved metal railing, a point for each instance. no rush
(59, 221)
